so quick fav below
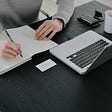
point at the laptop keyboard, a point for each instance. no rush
(87, 55)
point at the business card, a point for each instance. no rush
(46, 65)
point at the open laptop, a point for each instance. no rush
(84, 52)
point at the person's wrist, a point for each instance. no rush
(60, 21)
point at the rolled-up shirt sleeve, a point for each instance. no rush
(65, 10)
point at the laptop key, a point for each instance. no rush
(87, 55)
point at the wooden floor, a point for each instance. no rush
(50, 5)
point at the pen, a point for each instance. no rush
(11, 39)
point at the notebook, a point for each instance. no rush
(26, 37)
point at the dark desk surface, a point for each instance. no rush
(60, 89)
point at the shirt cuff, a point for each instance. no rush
(62, 17)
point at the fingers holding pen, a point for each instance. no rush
(15, 47)
(11, 50)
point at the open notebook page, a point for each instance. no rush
(26, 37)
(8, 64)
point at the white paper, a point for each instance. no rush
(108, 22)
(26, 37)
(46, 65)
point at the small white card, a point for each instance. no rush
(46, 65)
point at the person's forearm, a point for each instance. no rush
(65, 10)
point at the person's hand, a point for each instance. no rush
(48, 29)
(9, 49)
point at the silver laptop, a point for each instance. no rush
(84, 52)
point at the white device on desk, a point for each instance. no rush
(84, 52)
